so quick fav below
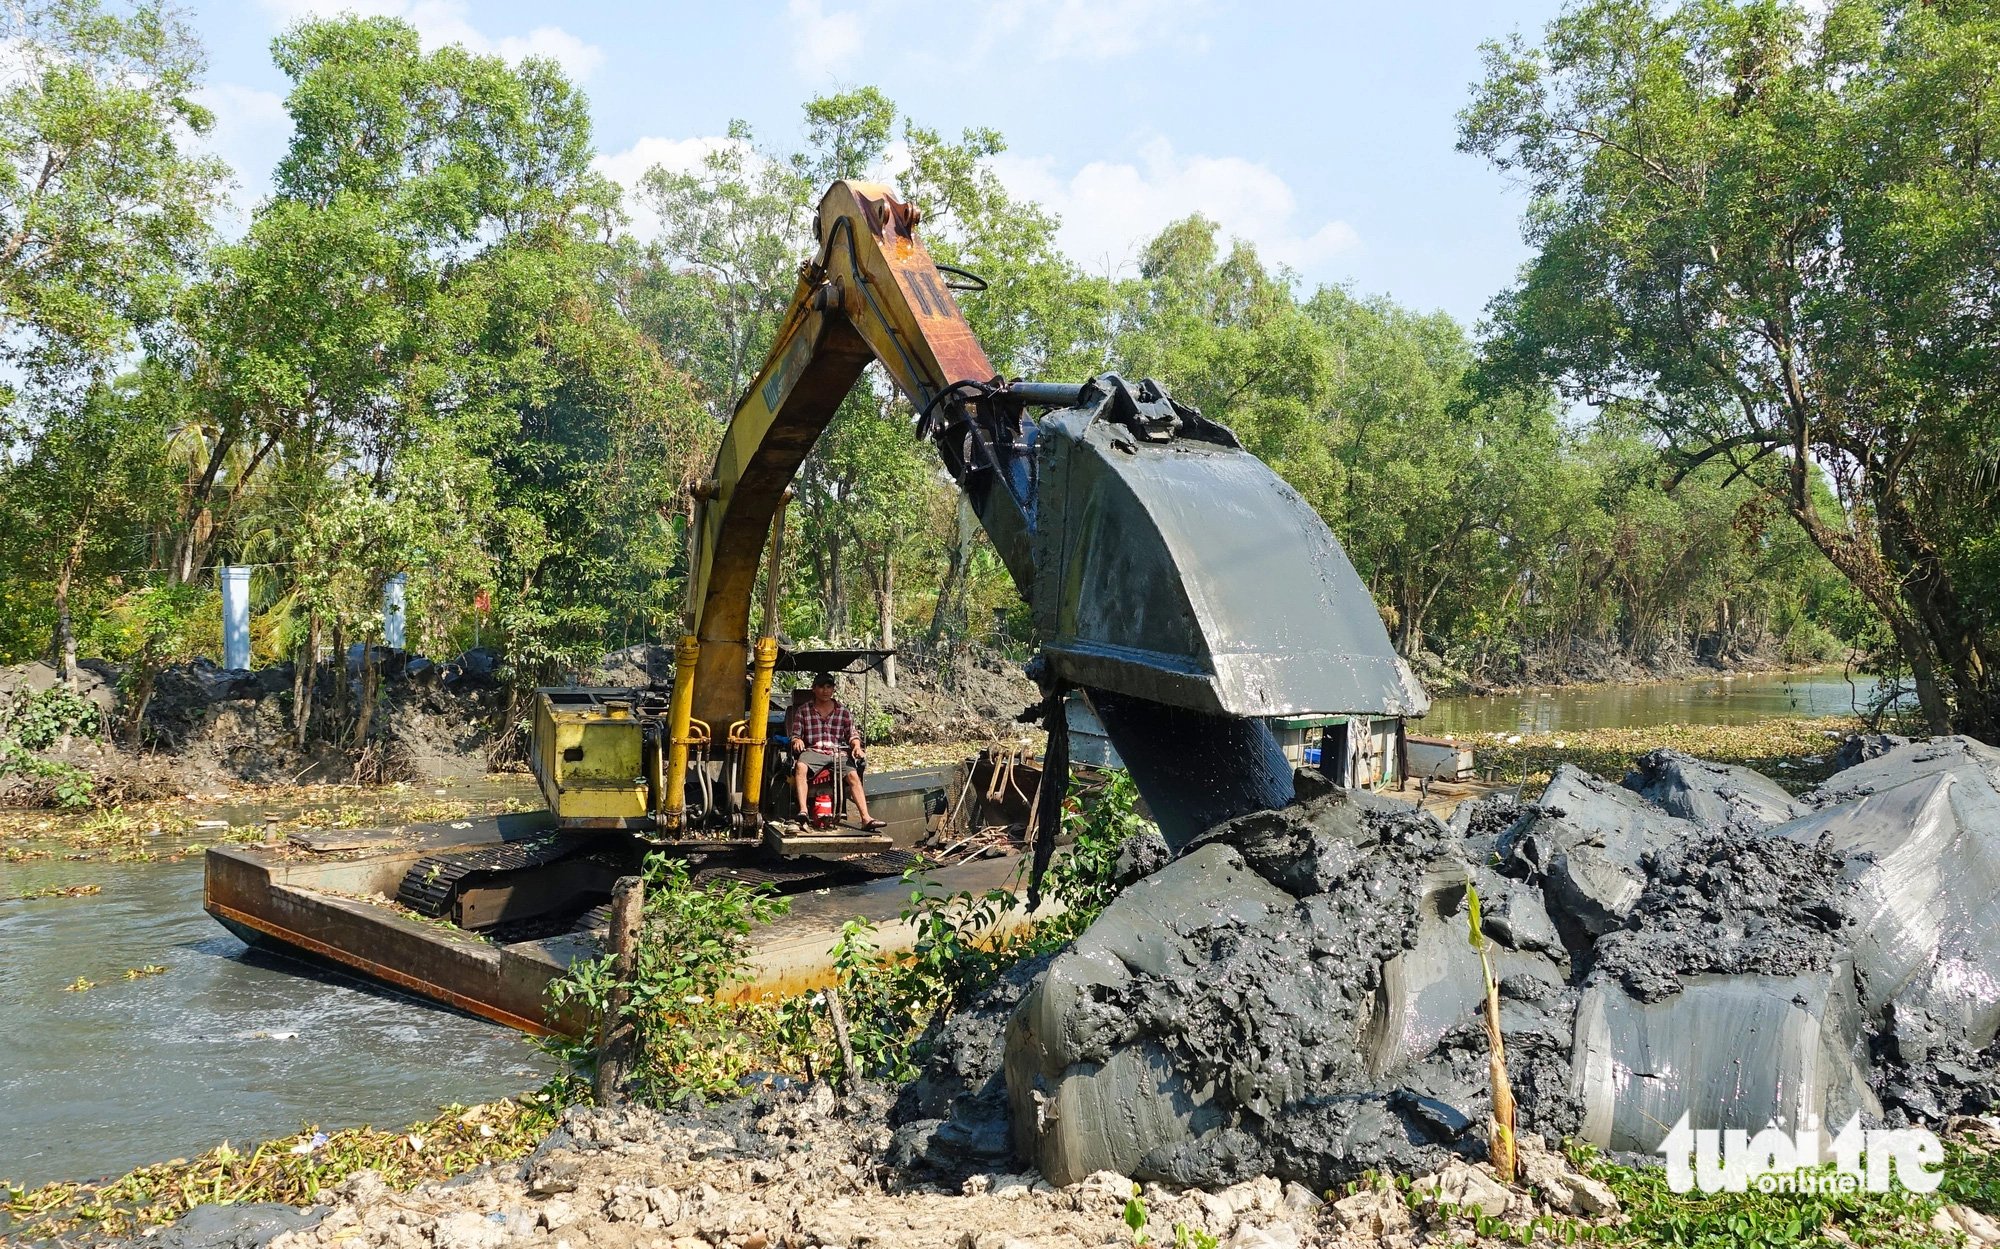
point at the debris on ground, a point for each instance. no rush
(805, 1168)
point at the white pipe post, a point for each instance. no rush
(392, 612)
(236, 617)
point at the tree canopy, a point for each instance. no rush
(1771, 231)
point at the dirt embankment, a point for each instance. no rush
(208, 727)
(974, 695)
(967, 694)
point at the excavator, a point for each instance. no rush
(1177, 585)
(1183, 588)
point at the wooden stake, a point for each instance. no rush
(1501, 1128)
(838, 1014)
(616, 1033)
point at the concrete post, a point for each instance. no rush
(236, 616)
(392, 611)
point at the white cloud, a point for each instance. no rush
(626, 168)
(578, 59)
(251, 131)
(1110, 209)
(1092, 30)
(440, 22)
(823, 43)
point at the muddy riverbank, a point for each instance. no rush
(207, 729)
(214, 997)
(1603, 662)
(330, 1087)
(1588, 895)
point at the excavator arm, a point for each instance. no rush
(872, 294)
(1174, 578)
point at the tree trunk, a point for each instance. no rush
(371, 679)
(617, 1035)
(65, 639)
(1937, 609)
(1865, 572)
(142, 694)
(1862, 561)
(836, 594)
(304, 672)
(337, 710)
(941, 611)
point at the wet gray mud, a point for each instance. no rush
(1295, 993)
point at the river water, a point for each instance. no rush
(230, 1045)
(223, 1045)
(1714, 700)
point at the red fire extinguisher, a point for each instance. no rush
(822, 808)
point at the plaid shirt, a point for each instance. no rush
(825, 732)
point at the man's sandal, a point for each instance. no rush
(873, 825)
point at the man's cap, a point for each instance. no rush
(822, 678)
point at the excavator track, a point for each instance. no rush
(433, 885)
(497, 884)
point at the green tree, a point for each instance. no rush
(721, 272)
(80, 502)
(103, 210)
(415, 361)
(722, 268)
(1773, 229)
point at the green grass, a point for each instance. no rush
(292, 1169)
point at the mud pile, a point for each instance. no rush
(970, 693)
(1295, 995)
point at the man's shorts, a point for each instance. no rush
(817, 759)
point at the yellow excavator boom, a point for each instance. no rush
(872, 293)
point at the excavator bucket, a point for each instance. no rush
(1174, 566)
(1193, 595)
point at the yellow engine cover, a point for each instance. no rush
(589, 756)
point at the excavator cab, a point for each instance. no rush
(826, 807)
(598, 755)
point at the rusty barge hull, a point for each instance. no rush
(324, 899)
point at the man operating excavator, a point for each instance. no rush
(825, 736)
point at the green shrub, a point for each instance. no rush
(696, 942)
(38, 721)
(1099, 819)
(960, 949)
(694, 945)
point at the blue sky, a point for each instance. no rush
(1321, 132)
